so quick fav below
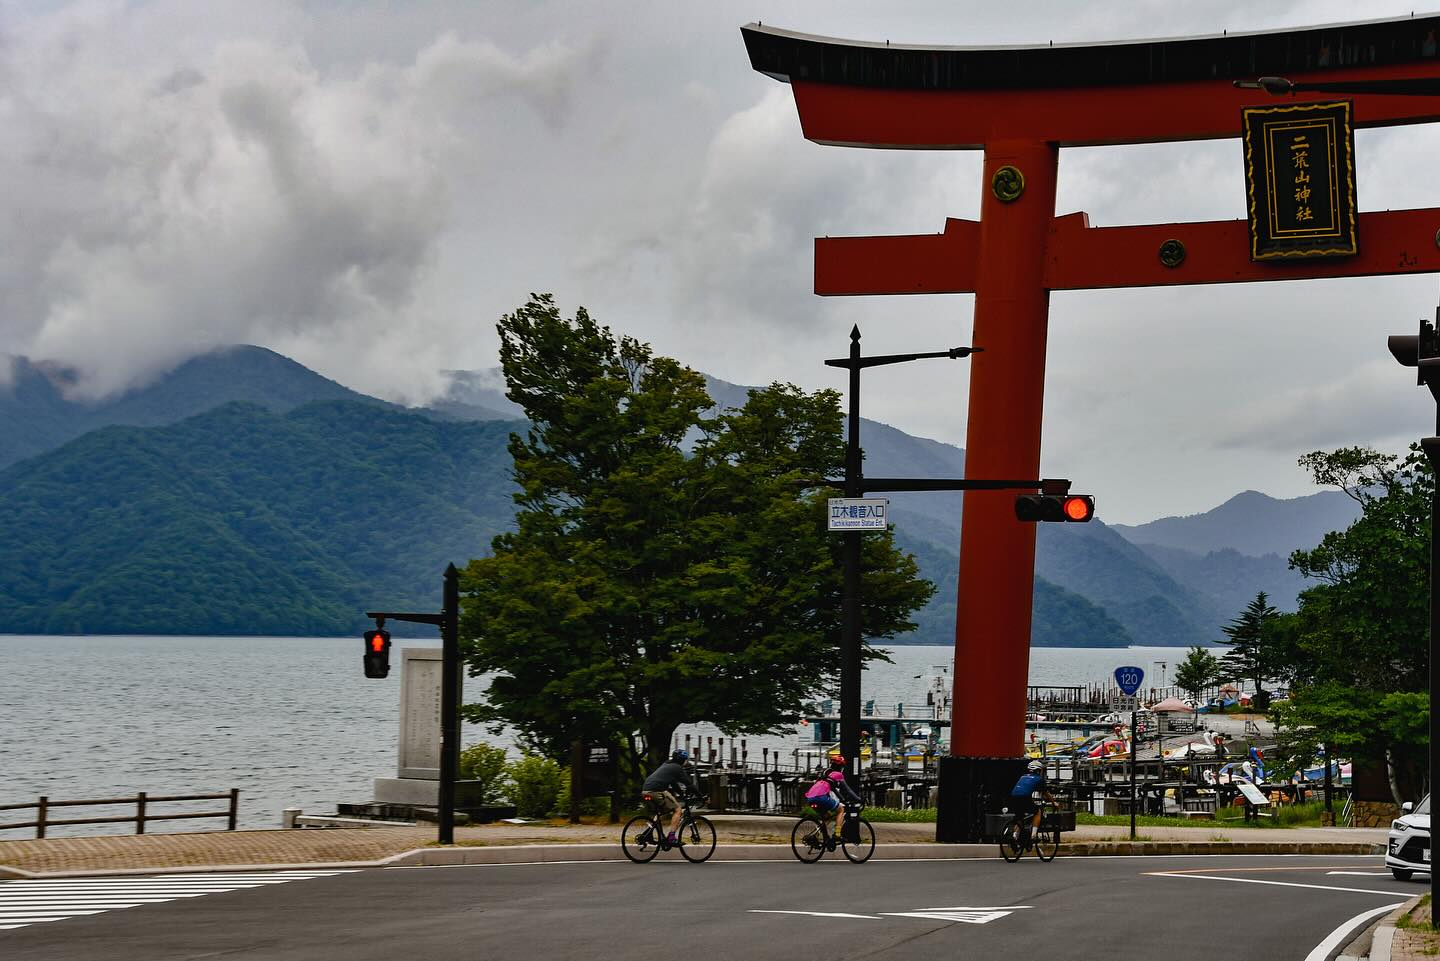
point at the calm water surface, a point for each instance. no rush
(291, 722)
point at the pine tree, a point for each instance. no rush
(1246, 636)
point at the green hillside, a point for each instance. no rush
(244, 521)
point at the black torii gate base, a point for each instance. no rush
(970, 788)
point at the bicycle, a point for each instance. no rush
(811, 838)
(1044, 840)
(644, 835)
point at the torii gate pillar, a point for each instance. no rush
(1021, 105)
(997, 554)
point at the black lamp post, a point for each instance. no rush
(850, 660)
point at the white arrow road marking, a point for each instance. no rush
(40, 900)
(962, 914)
(818, 914)
(966, 915)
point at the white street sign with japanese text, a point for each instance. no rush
(859, 513)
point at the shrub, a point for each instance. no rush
(485, 763)
(535, 784)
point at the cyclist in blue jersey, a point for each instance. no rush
(1022, 799)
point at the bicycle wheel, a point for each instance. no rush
(807, 840)
(1047, 843)
(640, 839)
(697, 839)
(1010, 847)
(860, 851)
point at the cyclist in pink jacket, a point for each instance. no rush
(829, 795)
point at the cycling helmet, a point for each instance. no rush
(837, 760)
(1035, 766)
(680, 756)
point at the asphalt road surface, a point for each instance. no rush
(1076, 909)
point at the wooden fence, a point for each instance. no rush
(141, 817)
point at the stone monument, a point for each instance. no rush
(417, 779)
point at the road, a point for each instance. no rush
(1077, 909)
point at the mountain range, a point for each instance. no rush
(245, 494)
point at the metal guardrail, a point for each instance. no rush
(141, 817)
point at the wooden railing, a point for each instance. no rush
(141, 817)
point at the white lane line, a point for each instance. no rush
(40, 900)
(1322, 950)
(1363, 874)
(1283, 884)
(818, 914)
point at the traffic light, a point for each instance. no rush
(377, 653)
(1421, 351)
(1072, 508)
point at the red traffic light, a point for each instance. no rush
(1074, 508)
(377, 654)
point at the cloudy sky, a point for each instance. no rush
(367, 186)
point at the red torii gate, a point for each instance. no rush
(1021, 105)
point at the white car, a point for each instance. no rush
(1408, 850)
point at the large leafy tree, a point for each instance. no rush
(668, 564)
(1356, 651)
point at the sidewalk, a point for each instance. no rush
(768, 836)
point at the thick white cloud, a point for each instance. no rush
(236, 193)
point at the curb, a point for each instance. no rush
(610, 851)
(543, 853)
(1384, 932)
(18, 874)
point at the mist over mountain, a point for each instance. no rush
(36, 416)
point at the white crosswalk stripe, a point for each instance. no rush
(42, 900)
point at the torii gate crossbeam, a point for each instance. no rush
(1020, 105)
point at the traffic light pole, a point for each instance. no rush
(448, 620)
(1422, 351)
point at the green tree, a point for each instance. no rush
(485, 763)
(535, 784)
(667, 566)
(1356, 650)
(1199, 670)
(1248, 657)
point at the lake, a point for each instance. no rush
(291, 722)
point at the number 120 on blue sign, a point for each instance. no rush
(1129, 679)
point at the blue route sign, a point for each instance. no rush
(1129, 679)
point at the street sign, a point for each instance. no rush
(859, 513)
(1129, 679)
(597, 771)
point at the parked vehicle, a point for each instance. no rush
(1408, 850)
